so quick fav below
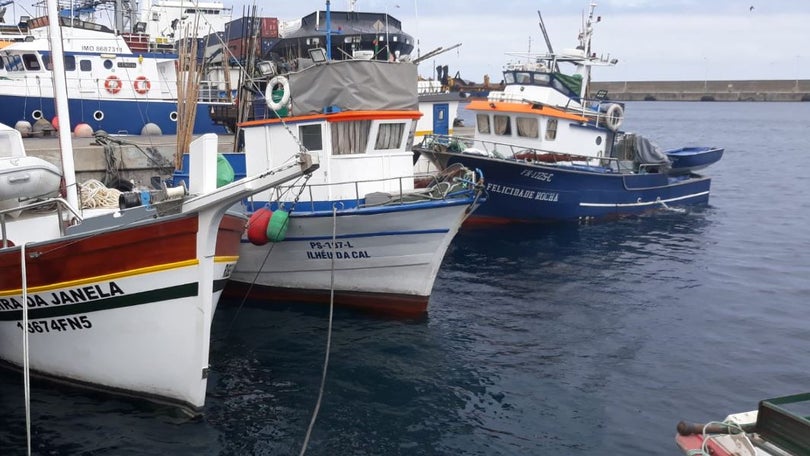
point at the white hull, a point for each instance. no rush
(96, 337)
(392, 254)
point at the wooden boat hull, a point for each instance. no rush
(118, 311)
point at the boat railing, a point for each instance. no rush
(375, 192)
(507, 151)
(61, 206)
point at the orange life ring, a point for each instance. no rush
(141, 85)
(112, 84)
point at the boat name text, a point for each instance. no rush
(74, 296)
(520, 193)
(323, 251)
(537, 175)
(58, 324)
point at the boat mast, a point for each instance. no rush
(61, 100)
(585, 44)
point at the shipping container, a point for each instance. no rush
(263, 27)
(269, 27)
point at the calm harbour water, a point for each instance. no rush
(575, 340)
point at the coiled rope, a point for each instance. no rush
(95, 195)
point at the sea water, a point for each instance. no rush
(540, 340)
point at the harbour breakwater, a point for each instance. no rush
(728, 90)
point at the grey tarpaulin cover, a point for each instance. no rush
(354, 85)
(650, 153)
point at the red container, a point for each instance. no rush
(236, 48)
(269, 27)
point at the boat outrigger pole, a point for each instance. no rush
(548, 41)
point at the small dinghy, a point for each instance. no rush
(689, 159)
(27, 177)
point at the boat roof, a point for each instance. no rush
(343, 116)
(517, 107)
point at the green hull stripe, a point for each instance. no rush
(146, 297)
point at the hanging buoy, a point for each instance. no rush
(277, 228)
(224, 171)
(258, 225)
(55, 123)
(83, 130)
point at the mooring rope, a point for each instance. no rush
(328, 334)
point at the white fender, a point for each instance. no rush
(614, 117)
(285, 97)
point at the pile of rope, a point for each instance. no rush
(95, 195)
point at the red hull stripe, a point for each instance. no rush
(390, 304)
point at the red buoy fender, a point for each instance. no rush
(257, 226)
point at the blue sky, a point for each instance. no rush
(653, 39)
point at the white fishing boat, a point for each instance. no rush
(357, 229)
(122, 301)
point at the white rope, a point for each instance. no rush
(26, 367)
(94, 194)
(328, 333)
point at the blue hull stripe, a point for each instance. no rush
(362, 235)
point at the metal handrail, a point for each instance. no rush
(61, 204)
(396, 198)
(511, 151)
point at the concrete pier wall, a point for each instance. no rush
(149, 156)
(730, 90)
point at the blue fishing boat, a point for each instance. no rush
(550, 152)
(118, 79)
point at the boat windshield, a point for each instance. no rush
(526, 77)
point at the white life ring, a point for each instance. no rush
(285, 97)
(614, 117)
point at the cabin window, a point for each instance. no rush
(14, 63)
(31, 62)
(524, 78)
(482, 120)
(46, 61)
(108, 64)
(85, 65)
(503, 125)
(389, 136)
(350, 137)
(509, 78)
(551, 130)
(311, 136)
(527, 127)
(70, 63)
